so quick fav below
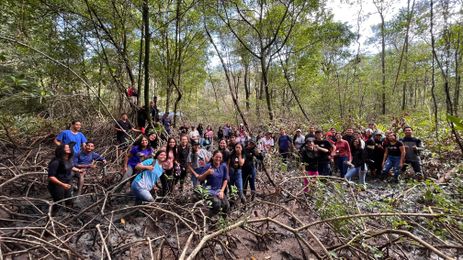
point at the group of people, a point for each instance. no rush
(229, 168)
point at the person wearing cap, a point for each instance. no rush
(298, 140)
(367, 134)
(197, 159)
(375, 150)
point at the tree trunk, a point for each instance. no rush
(456, 98)
(383, 65)
(288, 81)
(247, 87)
(268, 99)
(146, 62)
(140, 57)
(433, 80)
(229, 80)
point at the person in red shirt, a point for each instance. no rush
(331, 135)
(343, 154)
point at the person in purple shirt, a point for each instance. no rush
(139, 152)
(215, 179)
(85, 160)
(72, 135)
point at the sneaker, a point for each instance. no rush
(395, 180)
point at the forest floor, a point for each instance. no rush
(335, 219)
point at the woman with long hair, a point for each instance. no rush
(60, 174)
(167, 179)
(151, 170)
(235, 165)
(358, 162)
(140, 151)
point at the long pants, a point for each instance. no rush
(142, 194)
(341, 164)
(324, 168)
(392, 162)
(249, 178)
(219, 205)
(354, 171)
(59, 193)
(416, 165)
(236, 179)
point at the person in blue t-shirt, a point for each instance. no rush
(284, 144)
(86, 160)
(72, 135)
(152, 169)
(215, 179)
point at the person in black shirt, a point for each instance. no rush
(153, 140)
(224, 150)
(311, 134)
(249, 167)
(60, 175)
(349, 136)
(235, 166)
(183, 129)
(375, 152)
(123, 126)
(200, 129)
(141, 118)
(394, 156)
(413, 146)
(310, 155)
(324, 162)
(154, 109)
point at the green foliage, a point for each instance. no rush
(204, 194)
(458, 122)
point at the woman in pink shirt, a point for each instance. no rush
(343, 154)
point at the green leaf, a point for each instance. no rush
(458, 122)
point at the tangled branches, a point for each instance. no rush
(334, 219)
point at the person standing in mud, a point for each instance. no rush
(60, 171)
